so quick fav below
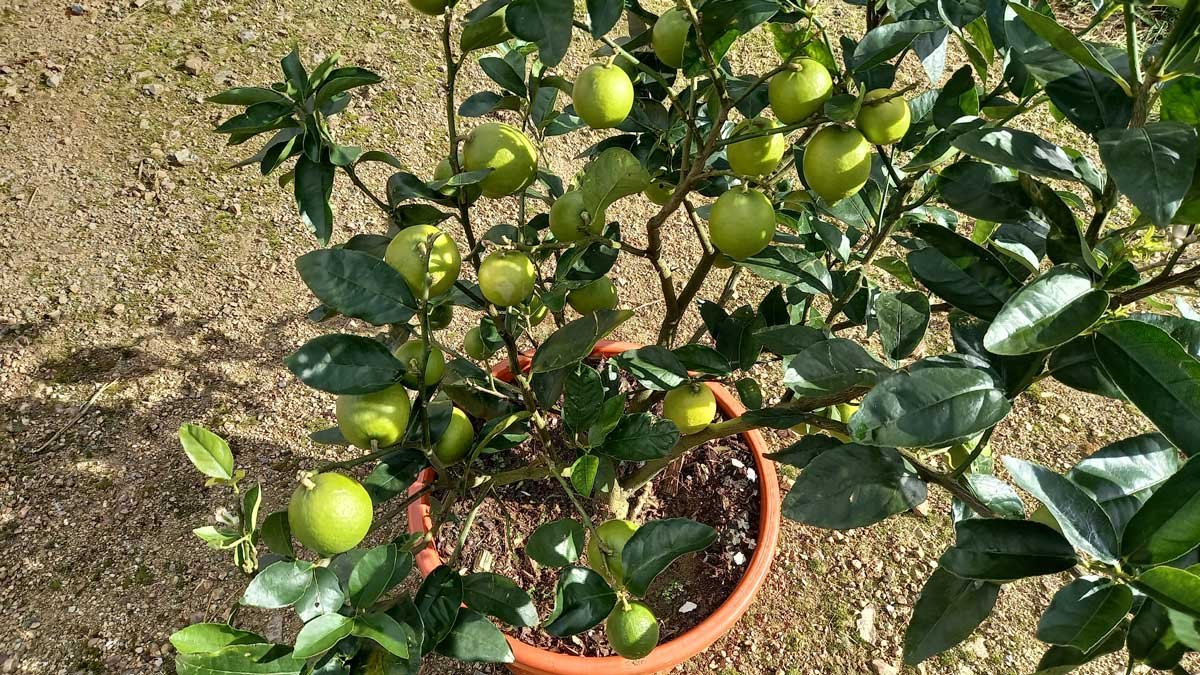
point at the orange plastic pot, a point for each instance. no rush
(531, 660)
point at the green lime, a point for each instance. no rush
(691, 407)
(614, 533)
(474, 345)
(506, 278)
(330, 513)
(380, 416)
(632, 630)
(410, 354)
(406, 255)
(599, 294)
(456, 440)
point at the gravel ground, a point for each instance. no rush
(143, 285)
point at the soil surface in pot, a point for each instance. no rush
(716, 484)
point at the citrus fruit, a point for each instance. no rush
(801, 90)
(660, 192)
(741, 223)
(569, 221)
(456, 440)
(837, 163)
(691, 407)
(443, 171)
(440, 316)
(430, 7)
(410, 354)
(669, 35)
(507, 152)
(632, 630)
(614, 533)
(755, 156)
(329, 513)
(380, 416)
(405, 254)
(883, 123)
(603, 95)
(506, 278)
(474, 345)
(796, 200)
(599, 294)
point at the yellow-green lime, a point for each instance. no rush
(632, 630)
(741, 223)
(381, 416)
(440, 316)
(614, 533)
(507, 152)
(570, 221)
(430, 7)
(602, 95)
(801, 90)
(410, 354)
(837, 163)
(405, 254)
(883, 123)
(691, 407)
(597, 295)
(669, 36)
(659, 191)
(755, 156)
(330, 513)
(506, 278)
(474, 345)
(456, 441)
(444, 171)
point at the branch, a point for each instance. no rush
(1160, 283)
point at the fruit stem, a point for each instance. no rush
(306, 479)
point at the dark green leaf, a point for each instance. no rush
(1018, 150)
(583, 474)
(853, 486)
(1084, 612)
(313, 186)
(703, 359)
(378, 570)
(886, 41)
(1172, 587)
(656, 545)
(653, 367)
(801, 453)
(258, 659)
(394, 474)
(384, 631)
(357, 285)
(788, 340)
(557, 543)
(1152, 165)
(249, 96)
(345, 364)
(1121, 476)
(545, 22)
(1065, 42)
(1079, 517)
(1157, 375)
(614, 174)
(640, 437)
(321, 634)
(947, 612)
(903, 317)
(278, 585)
(474, 639)
(830, 367)
(498, 596)
(438, 601)
(1003, 550)
(582, 599)
(575, 341)
(1168, 524)
(960, 271)
(983, 191)
(1049, 311)
(604, 14)
(1076, 365)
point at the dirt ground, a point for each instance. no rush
(143, 285)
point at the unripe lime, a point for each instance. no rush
(567, 216)
(456, 441)
(330, 513)
(660, 192)
(506, 278)
(614, 533)
(883, 123)
(430, 7)
(799, 91)
(444, 171)
(722, 262)
(837, 163)
(410, 354)
(796, 200)
(669, 36)
(474, 345)
(440, 316)
(507, 152)
(381, 416)
(603, 95)
(755, 156)
(632, 630)
(691, 407)
(599, 294)
(741, 223)
(405, 254)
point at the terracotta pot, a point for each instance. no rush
(534, 661)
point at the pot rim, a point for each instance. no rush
(537, 661)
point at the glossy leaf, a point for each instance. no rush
(474, 639)
(321, 634)
(983, 191)
(1018, 150)
(1152, 165)
(278, 585)
(1084, 612)
(640, 437)
(614, 174)
(653, 367)
(831, 366)
(324, 595)
(575, 341)
(903, 318)
(500, 597)
(437, 601)
(380, 569)
(208, 452)
(946, 613)
(1172, 587)
(656, 545)
(358, 285)
(1079, 517)
(963, 273)
(201, 638)
(258, 659)
(1157, 375)
(853, 486)
(996, 494)
(384, 631)
(582, 599)
(313, 186)
(557, 543)
(339, 363)
(1168, 524)
(1004, 550)
(1121, 476)
(1049, 311)
(545, 22)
